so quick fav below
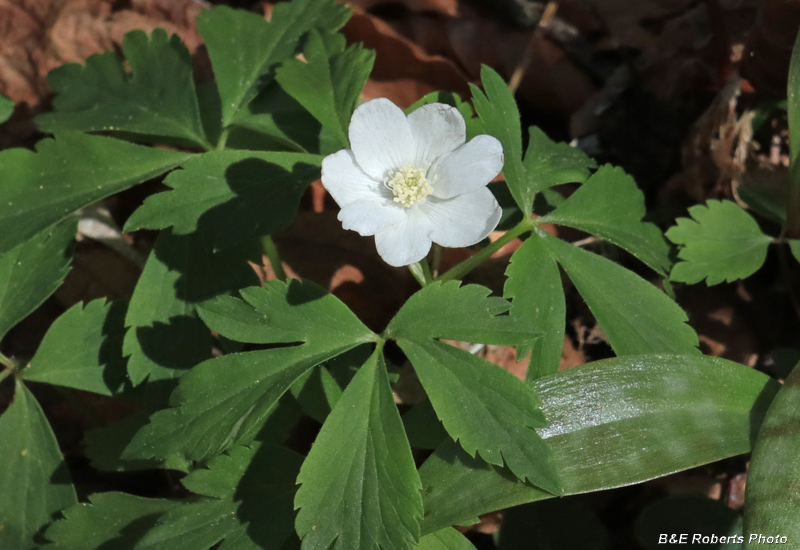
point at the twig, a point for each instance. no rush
(530, 50)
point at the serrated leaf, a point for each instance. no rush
(35, 481)
(636, 316)
(546, 163)
(794, 245)
(721, 243)
(83, 349)
(111, 520)
(243, 47)
(328, 83)
(32, 271)
(466, 313)
(499, 114)
(252, 509)
(774, 475)
(611, 206)
(231, 196)
(156, 99)
(6, 108)
(423, 427)
(486, 409)
(278, 312)
(317, 392)
(629, 419)
(359, 486)
(105, 445)
(68, 173)
(446, 539)
(166, 337)
(227, 399)
(534, 285)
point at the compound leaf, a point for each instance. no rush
(68, 173)
(166, 337)
(156, 99)
(34, 478)
(111, 520)
(721, 243)
(611, 206)
(774, 475)
(466, 313)
(32, 271)
(252, 490)
(486, 409)
(534, 285)
(226, 400)
(636, 316)
(359, 485)
(546, 163)
(83, 349)
(328, 83)
(630, 419)
(244, 47)
(232, 196)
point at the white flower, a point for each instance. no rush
(413, 180)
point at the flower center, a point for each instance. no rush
(409, 186)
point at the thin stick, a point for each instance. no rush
(530, 50)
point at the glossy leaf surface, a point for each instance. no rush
(612, 423)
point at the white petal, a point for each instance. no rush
(346, 182)
(463, 220)
(368, 217)
(468, 168)
(437, 129)
(381, 138)
(406, 243)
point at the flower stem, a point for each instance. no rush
(460, 270)
(271, 252)
(421, 272)
(223, 138)
(5, 361)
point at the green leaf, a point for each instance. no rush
(561, 523)
(446, 539)
(546, 163)
(698, 516)
(611, 206)
(635, 315)
(629, 419)
(156, 99)
(534, 285)
(280, 312)
(317, 392)
(466, 313)
(774, 475)
(498, 111)
(244, 194)
(794, 245)
(111, 520)
(359, 485)
(243, 47)
(721, 243)
(6, 108)
(486, 409)
(226, 400)
(68, 173)
(328, 83)
(423, 427)
(166, 337)
(32, 271)
(83, 349)
(34, 478)
(253, 490)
